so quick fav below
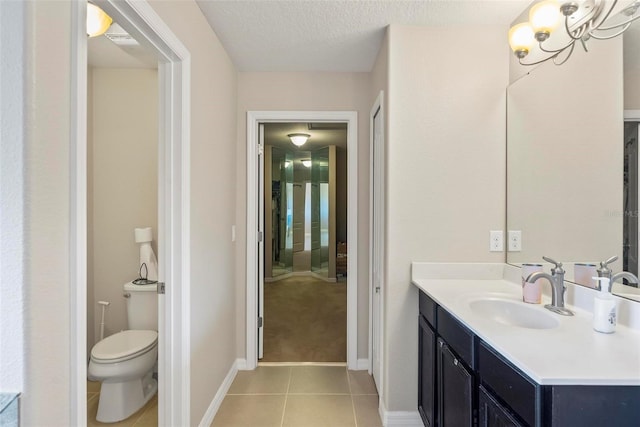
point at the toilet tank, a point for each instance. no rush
(142, 306)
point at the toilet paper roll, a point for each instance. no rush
(143, 235)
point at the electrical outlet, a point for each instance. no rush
(496, 241)
(515, 240)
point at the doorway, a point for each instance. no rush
(631, 188)
(376, 236)
(122, 190)
(255, 221)
(142, 23)
(305, 234)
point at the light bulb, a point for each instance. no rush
(544, 18)
(307, 163)
(98, 22)
(521, 39)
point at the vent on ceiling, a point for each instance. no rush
(119, 36)
(327, 126)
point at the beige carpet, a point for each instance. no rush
(305, 320)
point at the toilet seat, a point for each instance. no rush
(124, 346)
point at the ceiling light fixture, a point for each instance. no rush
(299, 139)
(98, 22)
(307, 163)
(582, 20)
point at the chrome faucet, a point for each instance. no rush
(556, 279)
(605, 271)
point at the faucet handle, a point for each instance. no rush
(604, 270)
(558, 265)
(604, 264)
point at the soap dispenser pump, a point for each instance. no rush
(604, 308)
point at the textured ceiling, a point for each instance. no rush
(331, 35)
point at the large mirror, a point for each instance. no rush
(572, 177)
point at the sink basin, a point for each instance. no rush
(513, 313)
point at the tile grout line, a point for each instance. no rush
(353, 404)
(286, 397)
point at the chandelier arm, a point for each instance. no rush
(612, 35)
(550, 57)
(556, 51)
(575, 34)
(626, 24)
(565, 59)
(606, 16)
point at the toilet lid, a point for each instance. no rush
(124, 345)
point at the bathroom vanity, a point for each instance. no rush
(488, 359)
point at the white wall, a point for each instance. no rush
(445, 171)
(213, 195)
(123, 184)
(12, 196)
(304, 92)
(47, 151)
(46, 265)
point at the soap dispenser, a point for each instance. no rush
(604, 308)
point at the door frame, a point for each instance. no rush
(634, 116)
(254, 118)
(174, 71)
(376, 169)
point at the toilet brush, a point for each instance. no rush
(104, 305)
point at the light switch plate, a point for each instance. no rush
(496, 241)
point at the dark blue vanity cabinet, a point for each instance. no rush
(446, 382)
(463, 381)
(427, 373)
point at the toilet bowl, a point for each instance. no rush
(124, 363)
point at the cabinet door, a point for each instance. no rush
(426, 373)
(455, 390)
(492, 413)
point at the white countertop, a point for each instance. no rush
(572, 353)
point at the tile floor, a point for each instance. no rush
(300, 396)
(147, 416)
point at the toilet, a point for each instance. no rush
(124, 362)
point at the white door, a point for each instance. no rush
(377, 244)
(261, 183)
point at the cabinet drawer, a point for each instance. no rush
(428, 308)
(512, 386)
(457, 336)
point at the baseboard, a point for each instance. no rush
(241, 364)
(212, 410)
(399, 418)
(362, 365)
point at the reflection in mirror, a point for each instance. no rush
(572, 167)
(320, 212)
(281, 211)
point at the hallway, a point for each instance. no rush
(305, 321)
(300, 396)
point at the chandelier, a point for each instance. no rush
(556, 27)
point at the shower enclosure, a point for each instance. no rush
(300, 212)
